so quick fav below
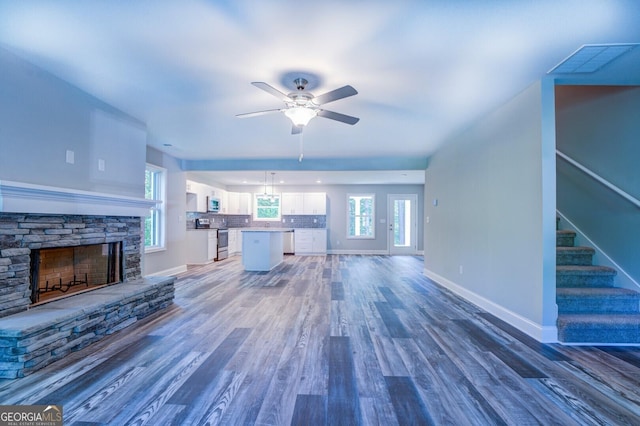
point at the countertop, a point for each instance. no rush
(265, 229)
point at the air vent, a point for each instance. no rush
(590, 58)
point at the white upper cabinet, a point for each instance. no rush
(197, 194)
(307, 203)
(239, 203)
(292, 203)
(315, 203)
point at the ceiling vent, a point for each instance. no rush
(590, 58)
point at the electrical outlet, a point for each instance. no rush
(460, 269)
(70, 156)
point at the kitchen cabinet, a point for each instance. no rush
(235, 241)
(315, 203)
(292, 203)
(197, 194)
(239, 203)
(310, 241)
(304, 203)
(202, 246)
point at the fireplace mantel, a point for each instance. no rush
(19, 197)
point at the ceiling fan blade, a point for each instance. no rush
(338, 117)
(271, 90)
(334, 95)
(296, 130)
(254, 114)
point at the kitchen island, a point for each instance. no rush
(262, 248)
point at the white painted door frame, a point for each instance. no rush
(407, 243)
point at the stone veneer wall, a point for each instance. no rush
(20, 233)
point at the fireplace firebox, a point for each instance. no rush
(62, 271)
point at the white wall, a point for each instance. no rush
(43, 117)
(173, 259)
(490, 200)
(598, 127)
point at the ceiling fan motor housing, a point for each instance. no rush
(300, 83)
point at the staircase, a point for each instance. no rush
(590, 308)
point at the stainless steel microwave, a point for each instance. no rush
(213, 204)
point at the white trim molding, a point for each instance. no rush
(19, 197)
(544, 334)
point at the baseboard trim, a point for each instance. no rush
(361, 252)
(543, 334)
(168, 272)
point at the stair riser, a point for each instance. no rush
(581, 259)
(573, 281)
(598, 305)
(565, 241)
(598, 334)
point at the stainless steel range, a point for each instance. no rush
(223, 244)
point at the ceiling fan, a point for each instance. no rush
(302, 106)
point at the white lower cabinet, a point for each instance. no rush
(310, 241)
(202, 246)
(235, 241)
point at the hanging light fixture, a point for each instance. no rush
(272, 194)
(265, 182)
(300, 115)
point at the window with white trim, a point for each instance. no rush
(155, 223)
(267, 207)
(360, 215)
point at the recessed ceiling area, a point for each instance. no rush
(312, 178)
(423, 70)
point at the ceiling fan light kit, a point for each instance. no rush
(301, 106)
(300, 116)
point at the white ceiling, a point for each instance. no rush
(424, 70)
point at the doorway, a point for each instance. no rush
(403, 225)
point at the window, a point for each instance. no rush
(360, 216)
(267, 207)
(154, 224)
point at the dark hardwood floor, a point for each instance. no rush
(337, 340)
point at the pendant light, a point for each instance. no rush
(272, 194)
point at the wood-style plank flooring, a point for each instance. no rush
(336, 340)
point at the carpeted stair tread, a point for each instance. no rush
(584, 276)
(576, 249)
(604, 300)
(579, 328)
(591, 310)
(597, 292)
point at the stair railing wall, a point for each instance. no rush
(599, 178)
(603, 256)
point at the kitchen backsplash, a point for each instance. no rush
(246, 221)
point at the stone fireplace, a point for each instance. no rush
(61, 243)
(87, 245)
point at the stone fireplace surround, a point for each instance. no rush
(33, 337)
(20, 233)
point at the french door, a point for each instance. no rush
(403, 225)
